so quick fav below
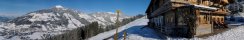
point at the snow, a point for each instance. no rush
(87, 17)
(44, 28)
(141, 21)
(206, 7)
(106, 18)
(103, 18)
(232, 34)
(139, 33)
(36, 35)
(38, 27)
(1, 37)
(73, 23)
(10, 31)
(240, 14)
(43, 17)
(91, 18)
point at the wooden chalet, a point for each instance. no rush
(187, 18)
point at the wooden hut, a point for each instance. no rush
(187, 18)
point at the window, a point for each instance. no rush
(162, 20)
(159, 22)
(205, 19)
(199, 19)
(222, 19)
(154, 22)
(202, 20)
(181, 20)
(219, 19)
(166, 20)
(208, 19)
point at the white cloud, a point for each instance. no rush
(111, 12)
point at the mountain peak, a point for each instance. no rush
(58, 7)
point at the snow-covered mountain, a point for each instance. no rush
(106, 18)
(4, 19)
(52, 21)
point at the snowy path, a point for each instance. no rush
(131, 28)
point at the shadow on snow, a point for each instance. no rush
(142, 31)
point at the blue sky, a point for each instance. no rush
(21, 7)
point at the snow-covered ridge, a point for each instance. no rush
(103, 18)
(43, 17)
(35, 25)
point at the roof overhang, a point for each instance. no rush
(148, 8)
(205, 7)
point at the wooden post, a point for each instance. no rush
(117, 25)
(197, 20)
(125, 34)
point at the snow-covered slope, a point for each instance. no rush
(51, 19)
(138, 22)
(106, 18)
(37, 24)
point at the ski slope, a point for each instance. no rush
(130, 28)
